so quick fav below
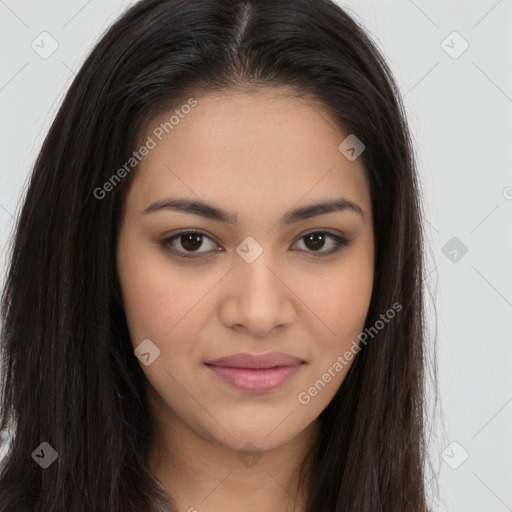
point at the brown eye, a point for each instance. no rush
(186, 243)
(317, 240)
(191, 242)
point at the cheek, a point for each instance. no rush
(338, 300)
(346, 302)
(161, 300)
(342, 305)
(156, 296)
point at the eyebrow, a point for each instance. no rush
(209, 211)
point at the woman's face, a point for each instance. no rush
(256, 285)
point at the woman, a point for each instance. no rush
(214, 299)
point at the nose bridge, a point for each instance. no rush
(256, 279)
(259, 299)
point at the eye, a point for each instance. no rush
(191, 241)
(316, 240)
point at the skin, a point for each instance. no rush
(259, 154)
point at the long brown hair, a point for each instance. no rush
(69, 375)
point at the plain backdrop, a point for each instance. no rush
(452, 61)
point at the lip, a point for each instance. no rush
(255, 372)
(256, 361)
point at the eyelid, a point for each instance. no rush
(184, 255)
(341, 242)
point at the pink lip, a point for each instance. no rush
(267, 360)
(256, 372)
(247, 379)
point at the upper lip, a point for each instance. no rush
(245, 360)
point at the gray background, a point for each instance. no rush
(460, 111)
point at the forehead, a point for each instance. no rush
(259, 148)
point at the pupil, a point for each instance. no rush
(317, 239)
(190, 240)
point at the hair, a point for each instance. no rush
(69, 375)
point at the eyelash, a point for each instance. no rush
(340, 241)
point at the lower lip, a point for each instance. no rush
(255, 380)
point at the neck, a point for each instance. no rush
(202, 474)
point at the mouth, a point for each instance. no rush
(255, 372)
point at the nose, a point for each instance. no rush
(258, 298)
